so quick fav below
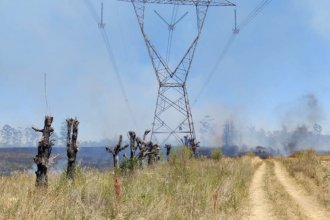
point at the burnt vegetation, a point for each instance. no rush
(44, 151)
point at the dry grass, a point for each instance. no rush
(308, 169)
(183, 189)
(324, 157)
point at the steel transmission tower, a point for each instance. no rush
(173, 116)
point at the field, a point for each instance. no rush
(183, 188)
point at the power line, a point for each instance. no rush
(92, 11)
(254, 13)
(111, 56)
(230, 41)
(215, 68)
(120, 82)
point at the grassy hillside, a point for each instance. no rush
(179, 189)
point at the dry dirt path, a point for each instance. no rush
(308, 205)
(260, 207)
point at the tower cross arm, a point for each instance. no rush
(186, 2)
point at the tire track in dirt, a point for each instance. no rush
(283, 205)
(260, 208)
(308, 205)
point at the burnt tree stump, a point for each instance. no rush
(71, 144)
(44, 151)
(116, 150)
(152, 152)
(136, 142)
(146, 149)
(142, 145)
(168, 151)
(192, 144)
(145, 134)
(132, 140)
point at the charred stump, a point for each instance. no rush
(149, 153)
(44, 151)
(192, 144)
(152, 153)
(137, 143)
(168, 151)
(132, 145)
(116, 150)
(146, 149)
(143, 148)
(142, 145)
(71, 144)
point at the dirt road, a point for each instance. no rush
(276, 195)
(260, 208)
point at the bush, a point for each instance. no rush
(129, 165)
(180, 155)
(250, 154)
(216, 154)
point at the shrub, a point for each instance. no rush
(250, 154)
(180, 155)
(129, 165)
(216, 154)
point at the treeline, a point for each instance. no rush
(26, 137)
(285, 141)
(20, 137)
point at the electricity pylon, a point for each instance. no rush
(173, 116)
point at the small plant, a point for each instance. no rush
(129, 165)
(216, 154)
(250, 154)
(180, 155)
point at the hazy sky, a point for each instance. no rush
(278, 59)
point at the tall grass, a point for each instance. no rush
(306, 167)
(184, 188)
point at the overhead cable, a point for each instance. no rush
(252, 15)
(111, 58)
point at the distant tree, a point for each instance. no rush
(216, 154)
(56, 139)
(7, 135)
(17, 137)
(229, 133)
(31, 137)
(207, 128)
(63, 134)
